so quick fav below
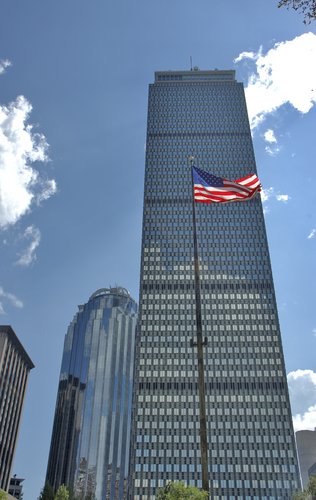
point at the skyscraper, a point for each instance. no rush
(15, 366)
(251, 448)
(91, 434)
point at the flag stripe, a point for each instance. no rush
(220, 199)
(234, 184)
(216, 192)
(211, 189)
(223, 191)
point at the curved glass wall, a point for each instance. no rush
(91, 434)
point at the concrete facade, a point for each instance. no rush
(15, 366)
(306, 449)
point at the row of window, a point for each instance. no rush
(231, 484)
(215, 346)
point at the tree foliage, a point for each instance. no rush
(310, 491)
(312, 486)
(47, 492)
(306, 7)
(3, 495)
(62, 493)
(300, 495)
(179, 491)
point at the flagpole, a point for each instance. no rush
(199, 343)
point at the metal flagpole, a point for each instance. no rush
(199, 343)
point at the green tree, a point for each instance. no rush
(300, 495)
(306, 7)
(179, 491)
(62, 493)
(47, 492)
(310, 491)
(312, 487)
(3, 495)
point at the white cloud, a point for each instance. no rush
(49, 187)
(269, 193)
(20, 147)
(247, 55)
(272, 151)
(306, 421)
(282, 197)
(269, 136)
(314, 332)
(302, 389)
(285, 74)
(266, 194)
(312, 234)
(9, 297)
(33, 234)
(4, 64)
(272, 148)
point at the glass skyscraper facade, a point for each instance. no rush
(251, 448)
(91, 434)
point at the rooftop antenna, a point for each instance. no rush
(191, 62)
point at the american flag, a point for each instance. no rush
(211, 189)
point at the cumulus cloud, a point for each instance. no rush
(4, 64)
(9, 297)
(20, 183)
(32, 234)
(285, 74)
(302, 389)
(312, 234)
(306, 421)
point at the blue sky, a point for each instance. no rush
(72, 164)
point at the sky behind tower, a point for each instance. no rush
(73, 107)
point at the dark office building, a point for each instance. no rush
(251, 447)
(15, 366)
(91, 434)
